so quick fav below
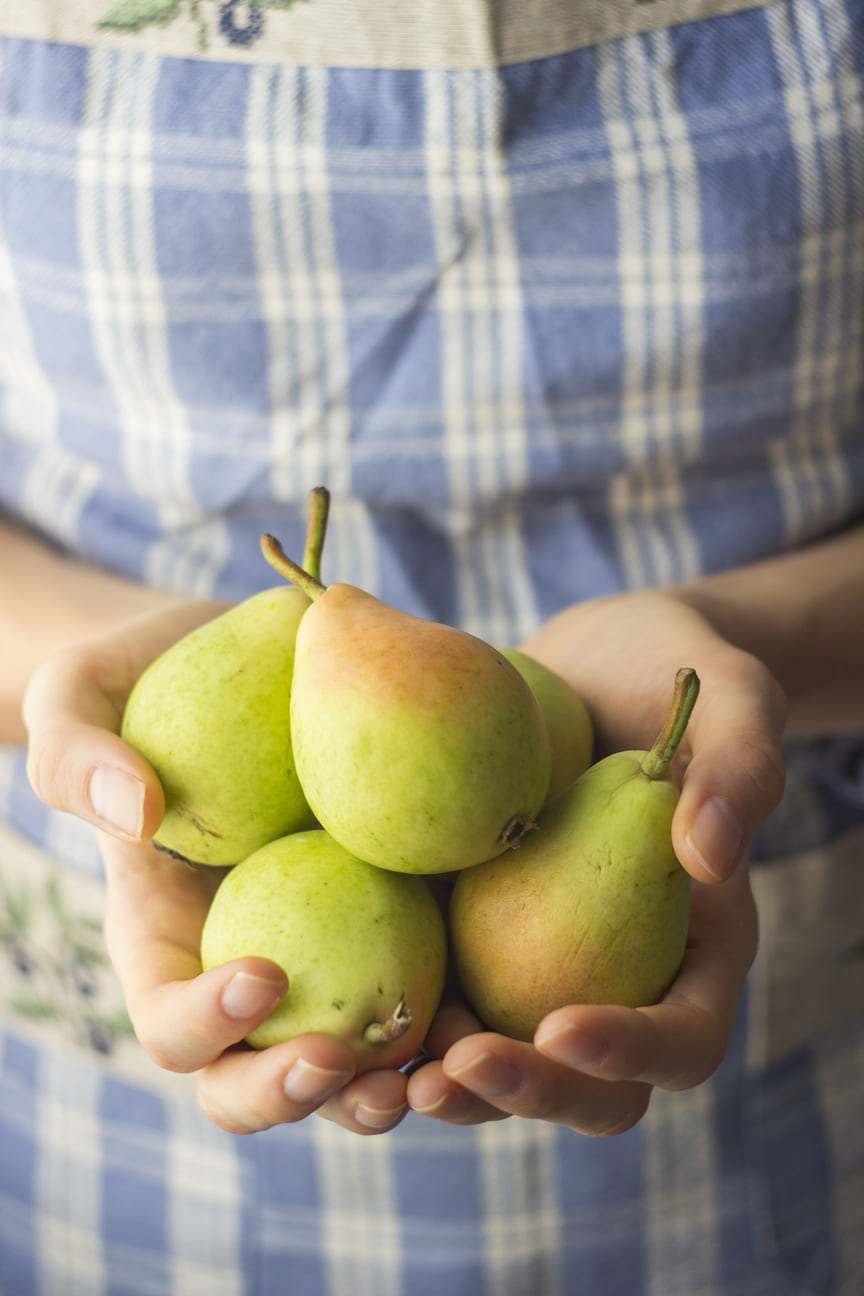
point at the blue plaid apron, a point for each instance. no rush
(557, 300)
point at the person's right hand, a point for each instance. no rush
(186, 1020)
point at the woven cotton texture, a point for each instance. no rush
(568, 326)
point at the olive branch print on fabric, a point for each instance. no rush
(238, 22)
(54, 967)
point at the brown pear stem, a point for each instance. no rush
(285, 566)
(658, 759)
(319, 510)
(392, 1029)
(514, 830)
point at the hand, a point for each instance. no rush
(592, 1068)
(186, 1020)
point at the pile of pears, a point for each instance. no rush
(336, 756)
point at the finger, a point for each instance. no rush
(736, 776)
(518, 1080)
(244, 1091)
(371, 1104)
(73, 710)
(432, 1093)
(453, 1020)
(76, 760)
(681, 1041)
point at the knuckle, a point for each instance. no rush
(47, 767)
(764, 766)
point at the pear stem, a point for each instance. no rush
(285, 566)
(658, 759)
(392, 1029)
(319, 509)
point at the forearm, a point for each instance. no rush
(802, 614)
(47, 603)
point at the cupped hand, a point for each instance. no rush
(186, 1020)
(592, 1068)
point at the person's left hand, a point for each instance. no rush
(592, 1068)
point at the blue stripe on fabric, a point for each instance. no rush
(238, 380)
(18, 1135)
(372, 108)
(135, 1198)
(794, 1150)
(28, 814)
(199, 103)
(282, 1223)
(416, 564)
(572, 550)
(16, 460)
(42, 81)
(601, 1191)
(741, 1203)
(713, 501)
(116, 526)
(207, 246)
(552, 109)
(440, 1211)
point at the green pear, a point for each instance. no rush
(594, 909)
(571, 734)
(212, 716)
(364, 949)
(419, 747)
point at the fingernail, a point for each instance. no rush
(247, 995)
(304, 1082)
(572, 1047)
(380, 1119)
(489, 1076)
(117, 798)
(716, 837)
(450, 1106)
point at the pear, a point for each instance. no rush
(419, 747)
(212, 716)
(571, 734)
(364, 949)
(595, 907)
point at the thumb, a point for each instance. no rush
(76, 760)
(735, 777)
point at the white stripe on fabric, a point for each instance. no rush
(115, 175)
(522, 1222)
(808, 463)
(360, 1232)
(56, 490)
(661, 279)
(205, 1197)
(681, 1175)
(280, 177)
(480, 314)
(57, 486)
(302, 305)
(29, 405)
(68, 1191)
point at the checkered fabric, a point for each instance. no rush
(547, 329)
